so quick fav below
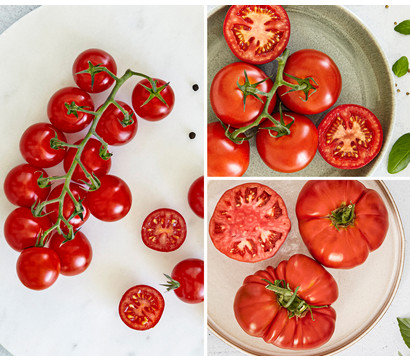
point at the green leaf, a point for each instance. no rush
(404, 325)
(399, 156)
(401, 66)
(403, 27)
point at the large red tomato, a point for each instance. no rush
(341, 221)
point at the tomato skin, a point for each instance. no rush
(57, 112)
(349, 246)
(289, 153)
(154, 110)
(38, 267)
(35, 145)
(196, 197)
(316, 64)
(227, 99)
(102, 81)
(259, 313)
(225, 158)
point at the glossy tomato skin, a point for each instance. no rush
(102, 81)
(346, 247)
(225, 158)
(316, 64)
(35, 145)
(190, 275)
(289, 153)
(264, 231)
(112, 200)
(155, 109)
(257, 34)
(57, 111)
(259, 313)
(227, 99)
(38, 267)
(196, 197)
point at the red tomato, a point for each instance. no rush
(112, 201)
(311, 63)
(341, 222)
(75, 255)
(196, 197)
(102, 81)
(350, 136)
(164, 230)
(227, 98)
(225, 158)
(57, 110)
(38, 267)
(257, 34)
(288, 153)
(110, 128)
(21, 188)
(35, 145)
(21, 228)
(250, 223)
(91, 159)
(141, 307)
(155, 109)
(307, 322)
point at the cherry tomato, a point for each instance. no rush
(112, 201)
(288, 153)
(350, 136)
(38, 267)
(196, 197)
(257, 34)
(102, 80)
(164, 230)
(155, 109)
(75, 255)
(141, 307)
(110, 128)
(21, 228)
(311, 63)
(57, 110)
(227, 98)
(35, 145)
(225, 158)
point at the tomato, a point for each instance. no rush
(21, 228)
(141, 307)
(341, 221)
(250, 223)
(112, 200)
(90, 158)
(110, 128)
(38, 267)
(35, 145)
(257, 34)
(102, 81)
(307, 322)
(350, 136)
(328, 82)
(288, 153)
(227, 98)
(21, 188)
(57, 110)
(75, 255)
(225, 158)
(164, 230)
(196, 197)
(155, 109)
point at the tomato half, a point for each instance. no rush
(250, 223)
(288, 153)
(328, 82)
(341, 221)
(350, 136)
(141, 307)
(306, 322)
(196, 197)
(257, 34)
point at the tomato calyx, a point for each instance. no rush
(344, 216)
(171, 283)
(304, 85)
(95, 69)
(279, 127)
(154, 92)
(251, 89)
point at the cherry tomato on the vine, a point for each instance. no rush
(196, 197)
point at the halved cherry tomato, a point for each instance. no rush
(196, 197)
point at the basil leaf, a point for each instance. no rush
(404, 325)
(401, 66)
(399, 156)
(403, 27)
